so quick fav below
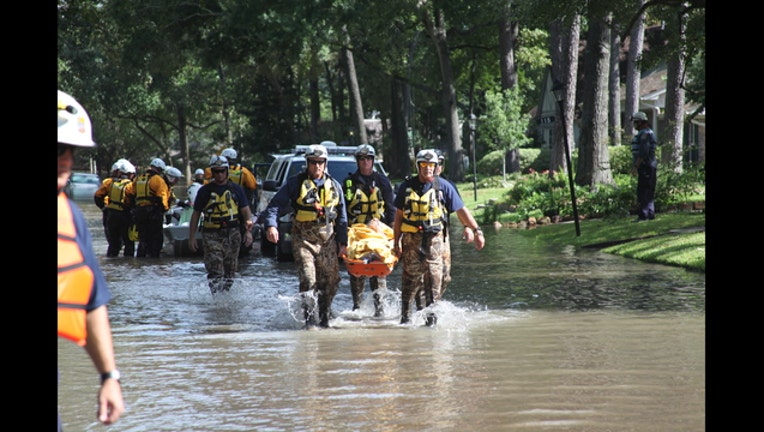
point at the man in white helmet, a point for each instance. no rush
(237, 173)
(421, 204)
(319, 232)
(115, 199)
(242, 176)
(368, 198)
(193, 188)
(226, 210)
(83, 294)
(152, 200)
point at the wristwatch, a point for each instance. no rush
(477, 230)
(111, 374)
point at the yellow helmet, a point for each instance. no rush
(74, 127)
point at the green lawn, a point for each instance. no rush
(669, 239)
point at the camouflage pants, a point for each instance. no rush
(422, 261)
(357, 284)
(319, 270)
(221, 256)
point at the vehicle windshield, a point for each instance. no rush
(339, 169)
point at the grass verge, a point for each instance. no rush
(676, 239)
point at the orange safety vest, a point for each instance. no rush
(75, 278)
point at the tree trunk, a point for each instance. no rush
(593, 157)
(356, 103)
(397, 163)
(508, 31)
(672, 137)
(633, 75)
(614, 85)
(183, 141)
(564, 38)
(436, 29)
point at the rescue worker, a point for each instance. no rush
(368, 196)
(421, 204)
(114, 198)
(645, 166)
(420, 298)
(225, 207)
(171, 176)
(193, 188)
(83, 294)
(101, 198)
(319, 232)
(243, 177)
(237, 173)
(152, 200)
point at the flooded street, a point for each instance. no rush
(530, 337)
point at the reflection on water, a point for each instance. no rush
(529, 337)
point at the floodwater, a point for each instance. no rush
(530, 337)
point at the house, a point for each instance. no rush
(652, 101)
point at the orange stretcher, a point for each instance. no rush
(358, 267)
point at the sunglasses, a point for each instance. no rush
(365, 158)
(426, 164)
(316, 161)
(219, 171)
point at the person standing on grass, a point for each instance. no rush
(645, 166)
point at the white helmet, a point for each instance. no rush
(229, 153)
(316, 151)
(427, 155)
(218, 162)
(198, 172)
(365, 150)
(173, 173)
(158, 164)
(74, 127)
(126, 166)
(116, 166)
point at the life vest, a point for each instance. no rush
(116, 197)
(143, 193)
(364, 202)
(75, 278)
(313, 202)
(422, 212)
(222, 210)
(235, 175)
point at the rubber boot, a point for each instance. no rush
(308, 310)
(323, 311)
(378, 309)
(431, 319)
(404, 312)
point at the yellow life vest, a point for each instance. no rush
(313, 201)
(143, 194)
(235, 175)
(422, 213)
(117, 194)
(363, 207)
(221, 211)
(75, 278)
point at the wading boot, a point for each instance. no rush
(431, 319)
(323, 311)
(404, 313)
(378, 309)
